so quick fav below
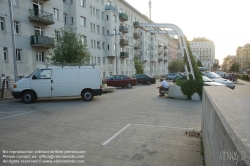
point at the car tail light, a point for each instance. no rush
(14, 86)
(100, 86)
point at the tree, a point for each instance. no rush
(235, 67)
(199, 64)
(176, 66)
(69, 48)
(138, 66)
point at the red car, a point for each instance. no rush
(229, 76)
(121, 81)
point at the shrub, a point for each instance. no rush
(104, 82)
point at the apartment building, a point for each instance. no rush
(204, 49)
(243, 57)
(110, 28)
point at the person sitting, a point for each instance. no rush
(164, 86)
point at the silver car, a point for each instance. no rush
(216, 78)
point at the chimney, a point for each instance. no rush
(149, 4)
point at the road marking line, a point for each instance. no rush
(182, 128)
(116, 134)
(12, 112)
(16, 115)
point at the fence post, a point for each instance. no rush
(2, 92)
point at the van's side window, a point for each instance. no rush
(44, 74)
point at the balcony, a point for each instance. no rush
(137, 46)
(110, 7)
(124, 55)
(123, 17)
(138, 56)
(123, 42)
(159, 44)
(136, 24)
(40, 16)
(165, 60)
(165, 47)
(123, 29)
(42, 41)
(137, 35)
(160, 59)
(159, 51)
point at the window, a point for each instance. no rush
(93, 27)
(91, 10)
(2, 24)
(98, 60)
(65, 16)
(98, 45)
(17, 27)
(104, 60)
(57, 35)
(108, 32)
(107, 17)
(5, 54)
(114, 18)
(103, 45)
(102, 1)
(72, 20)
(103, 31)
(39, 31)
(44, 74)
(84, 39)
(64, 0)
(114, 46)
(15, 2)
(71, 2)
(98, 29)
(104, 74)
(94, 44)
(110, 61)
(109, 3)
(83, 21)
(56, 13)
(18, 55)
(103, 15)
(39, 56)
(83, 3)
(97, 13)
(91, 43)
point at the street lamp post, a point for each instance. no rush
(116, 46)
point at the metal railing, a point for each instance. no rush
(42, 40)
(110, 7)
(41, 16)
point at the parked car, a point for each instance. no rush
(207, 81)
(216, 78)
(229, 76)
(144, 79)
(121, 81)
(171, 76)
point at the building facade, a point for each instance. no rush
(109, 28)
(243, 57)
(205, 49)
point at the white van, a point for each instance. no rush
(84, 81)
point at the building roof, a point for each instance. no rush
(201, 39)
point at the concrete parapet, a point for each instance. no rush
(225, 127)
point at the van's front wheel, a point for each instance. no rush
(28, 97)
(87, 95)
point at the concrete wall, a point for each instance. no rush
(225, 127)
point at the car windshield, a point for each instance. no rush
(206, 79)
(214, 75)
(32, 73)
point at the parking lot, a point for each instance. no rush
(128, 127)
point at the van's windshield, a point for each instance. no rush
(32, 73)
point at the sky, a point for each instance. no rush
(226, 22)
